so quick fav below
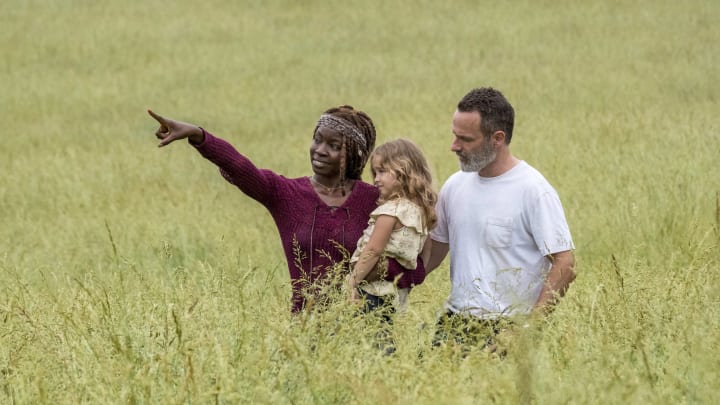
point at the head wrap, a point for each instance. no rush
(345, 128)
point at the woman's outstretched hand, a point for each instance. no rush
(171, 130)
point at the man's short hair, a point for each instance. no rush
(496, 113)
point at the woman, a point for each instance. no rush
(319, 217)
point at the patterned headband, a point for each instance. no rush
(345, 128)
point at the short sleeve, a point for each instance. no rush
(549, 226)
(407, 212)
(440, 232)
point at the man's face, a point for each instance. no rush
(474, 150)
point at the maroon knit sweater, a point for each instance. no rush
(306, 224)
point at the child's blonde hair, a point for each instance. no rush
(405, 160)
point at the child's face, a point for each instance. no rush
(385, 180)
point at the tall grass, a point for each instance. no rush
(132, 274)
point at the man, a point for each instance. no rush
(503, 224)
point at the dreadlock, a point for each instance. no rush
(354, 155)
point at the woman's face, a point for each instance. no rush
(326, 151)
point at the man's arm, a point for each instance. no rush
(438, 251)
(558, 280)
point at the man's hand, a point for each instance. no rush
(558, 280)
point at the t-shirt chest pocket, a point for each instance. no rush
(498, 231)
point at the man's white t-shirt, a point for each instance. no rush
(499, 229)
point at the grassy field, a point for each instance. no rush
(132, 274)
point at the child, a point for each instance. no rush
(397, 228)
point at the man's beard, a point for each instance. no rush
(478, 161)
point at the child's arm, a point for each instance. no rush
(384, 225)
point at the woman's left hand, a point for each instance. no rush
(171, 130)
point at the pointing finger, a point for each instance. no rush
(157, 117)
(164, 130)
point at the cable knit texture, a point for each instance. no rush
(311, 231)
